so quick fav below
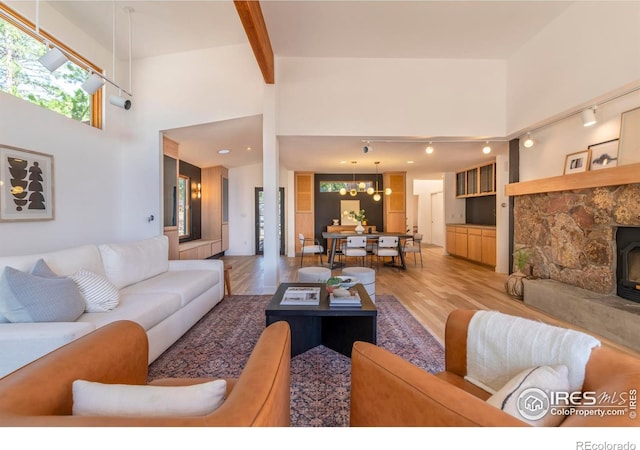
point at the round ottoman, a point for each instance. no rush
(313, 274)
(366, 276)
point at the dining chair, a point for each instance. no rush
(387, 246)
(355, 246)
(309, 246)
(414, 245)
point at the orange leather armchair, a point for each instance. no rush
(388, 391)
(39, 394)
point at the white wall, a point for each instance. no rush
(423, 189)
(173, 91)
(242, 184)
(88, 163)
(589, 50)
(393, 97)
(547, 157)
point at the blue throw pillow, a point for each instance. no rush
(39, 296)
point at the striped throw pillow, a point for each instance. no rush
(100, 295)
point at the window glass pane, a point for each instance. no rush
(22, 75)
(335, 186)
(184, 225)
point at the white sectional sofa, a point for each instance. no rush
(165, 297)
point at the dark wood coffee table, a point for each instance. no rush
(335, 328)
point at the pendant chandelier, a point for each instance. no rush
(352, 189)
(376, 192)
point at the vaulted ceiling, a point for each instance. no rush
(371, 29)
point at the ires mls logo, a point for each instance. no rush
(534, 403)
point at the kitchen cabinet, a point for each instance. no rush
(473, 242)
(476, 181)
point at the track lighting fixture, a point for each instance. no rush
(429, 149)
(119, 101)
(53, 59)
(93, 83)
(528, 142)
(486, 149)
(589, 117)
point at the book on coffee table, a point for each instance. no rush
(350, 301)
(300, 296)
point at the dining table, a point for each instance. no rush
(374, 235)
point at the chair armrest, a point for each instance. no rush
(387, 391)
(455, 341)
(259, 397)
(115, 353)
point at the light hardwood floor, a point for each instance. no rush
(444, 284)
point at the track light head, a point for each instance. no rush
(366, 149)
(92, 84)
(589, 117)
(486, 149)
(120, 102)
(528, 142)
(53, 59)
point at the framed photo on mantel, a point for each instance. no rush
(26, 185)
(577, 162)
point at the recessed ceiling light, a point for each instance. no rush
(248, 149)
(409, 162)
(343, 162)
(429, 150)
(224, 151)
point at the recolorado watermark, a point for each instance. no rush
(589, 445)
(534, 404)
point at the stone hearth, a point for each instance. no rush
(571, 235)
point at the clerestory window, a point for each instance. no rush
(22, 75)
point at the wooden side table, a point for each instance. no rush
(227, 282)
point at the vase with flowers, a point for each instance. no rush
(359, 217)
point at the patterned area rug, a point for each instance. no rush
(221, 342)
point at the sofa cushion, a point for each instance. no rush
(39, 296)
(99, 294)
(125, 264)
(62, 262)
(532, 385)
(98, 399)
(146, 309)
(187, 284)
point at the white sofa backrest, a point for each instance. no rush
(63, 262)
(131, 262)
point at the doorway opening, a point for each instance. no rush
(259, 234)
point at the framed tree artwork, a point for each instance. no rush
(26, 185)
(604, 155)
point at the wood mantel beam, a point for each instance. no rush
(253, 22)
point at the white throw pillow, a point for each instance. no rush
(98, 399)
(535, 383)
(100, 295)
(129, 263)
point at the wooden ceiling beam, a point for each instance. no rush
(253, 22)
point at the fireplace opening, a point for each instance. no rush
(628, 269)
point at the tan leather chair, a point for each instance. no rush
(387, 391)
(39, 394)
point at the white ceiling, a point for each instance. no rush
(376, 29)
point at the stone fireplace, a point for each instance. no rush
(573, 226)
(628, 269)
(572, 234)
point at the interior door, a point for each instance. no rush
(259, 214)
(437, 219)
